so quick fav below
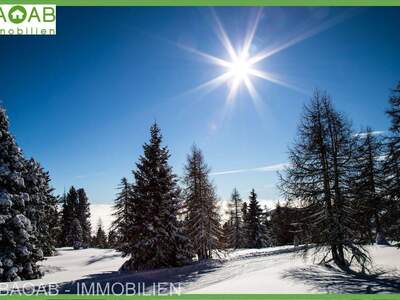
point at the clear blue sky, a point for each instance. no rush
(82, 102)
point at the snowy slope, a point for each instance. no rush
(289, 273)
(269, 270)
(69, 265)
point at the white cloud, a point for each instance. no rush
(103, 212)
(268, 168)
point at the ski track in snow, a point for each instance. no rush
(269, 270)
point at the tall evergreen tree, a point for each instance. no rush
(368, 182)
(100, 239)
(392, 167)
(68, 214)
(236, 236)
(122, 213)
(83, 215)
(42, 207)
(75, 234)
(202, 218)
(255, 231)
(155, 237)
(319, 175)
(18, 252)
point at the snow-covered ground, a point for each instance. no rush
(289, 273)
(269, 270)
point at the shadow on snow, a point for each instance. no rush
(330, 280)
(171, 279)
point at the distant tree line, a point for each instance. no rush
(76, 228)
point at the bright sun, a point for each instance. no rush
(239, 66)
(239, 71)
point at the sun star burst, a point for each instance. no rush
(239, 65)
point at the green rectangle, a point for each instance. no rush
(208, 2)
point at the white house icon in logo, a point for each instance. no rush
(17, 14)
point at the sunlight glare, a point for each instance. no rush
(240, 68)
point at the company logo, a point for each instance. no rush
(28, 19)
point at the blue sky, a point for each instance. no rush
(82, 102)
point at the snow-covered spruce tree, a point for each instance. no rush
(75, 235)
(18, 253)
(392, 167)
(155, 237)
(368, 184)
(41, 210)
(100, 239)
(236, 237)
(319, 175)
(254, 230)
(68, 214)
(202, 218)
(121, 223)
(83, 215)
